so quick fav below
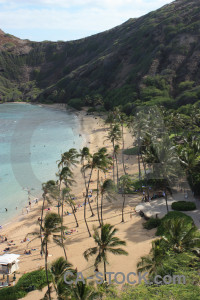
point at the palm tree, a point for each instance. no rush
(57, 269)
(154, 261)
(66, 176)
(106, 243)
(98, 184)
(181, 236)
(116, 151)
(121, 118)
(163, 157)
(70, 201)
(69, 158)
(51, 226)
(114, 136)
(190, 159)
(100, 161)
(108, 189)
(85, 156)
(110, 119)
(47, 188)
(83, 291)
(174, 122)
(125, 184)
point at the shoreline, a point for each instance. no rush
(138, 239)
(17, 216)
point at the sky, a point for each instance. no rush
(54, 20)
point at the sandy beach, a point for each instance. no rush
(138, 239)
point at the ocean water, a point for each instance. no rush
(32, 139)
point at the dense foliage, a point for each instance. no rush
(146, 61)
(183, 206)
(34, 280)
(172, 215)
(152, 223)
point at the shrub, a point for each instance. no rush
(172, 215)
(131, 151)
(76, 103)
(35, 278)
(152, 223)
(183, 206)
(185, 85)
(91, 110)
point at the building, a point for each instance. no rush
(8, 265)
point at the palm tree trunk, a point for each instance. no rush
(86, 197)
(86, 218)
(42, 213)
(101, 209)
(105, 278)
(87, 189)
(46, 270)
(59, 200)
(98, 198)
(74, 216)
(62, 239)
(144, 166)
(166, 201)
(123, 149)
(117, 169)
(139, 168)
(123, 207)
(113, 161)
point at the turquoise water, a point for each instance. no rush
(32, 139)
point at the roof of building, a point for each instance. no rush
(8, 258)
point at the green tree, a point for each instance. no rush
(181, 236)
(114, 135)
(101, 161)
(58, 269)
(106, 243)
(107, 189)
(83, 291)
(125, 184)
(50, 227)
(153, 262)
(47, 188)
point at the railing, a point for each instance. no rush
(4, 272)
(3, 284)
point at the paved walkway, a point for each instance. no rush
(158, 207)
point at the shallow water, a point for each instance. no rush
(32, 139)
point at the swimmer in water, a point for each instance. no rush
(6, 209)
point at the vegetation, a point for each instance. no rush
(106, 242)
(159, 106)
(93, 71)
(131, 151)
(183, 206)
(152, 223)
(34, 280)
(172, 215)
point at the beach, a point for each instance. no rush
(138, 239)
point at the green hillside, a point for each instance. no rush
(150, 60)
